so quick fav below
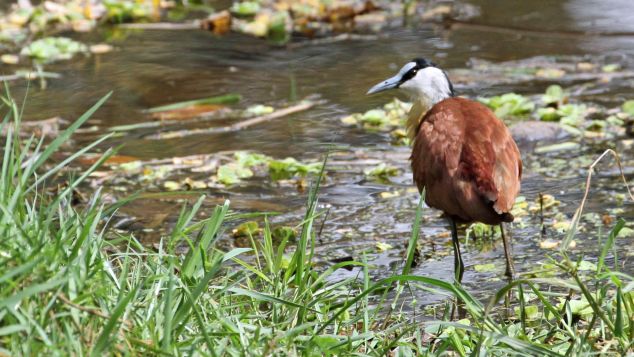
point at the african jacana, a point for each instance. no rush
(462, 154)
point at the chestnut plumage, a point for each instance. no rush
(463, 156)
(467, 161)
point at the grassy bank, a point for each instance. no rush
(70, 285)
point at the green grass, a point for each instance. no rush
(69, 285)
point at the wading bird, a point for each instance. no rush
(463, 156)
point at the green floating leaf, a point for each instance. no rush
(568, 114)
(289, 167)
(530, 311)
(382, 246)
(585, 265)
(482, 230)
(250, 159)
(232, 173)
(628, 107)
(375, 117)
(280, 27)
(280, 234)
(484, 268)
(120, 11)
(554, 95)
(548, 114)
(382, 171)
(246, 229)
(509, 104)
(51, 49)
(573, 114)
(580, 307)
(392, 115)
(626, 232)
(245, 8)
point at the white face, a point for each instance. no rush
(430, 84)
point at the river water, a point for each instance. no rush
(150, 68)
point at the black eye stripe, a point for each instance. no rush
(409, 74)
(421, 63)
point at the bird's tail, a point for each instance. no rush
(507, 217)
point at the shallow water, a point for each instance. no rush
(151, 68)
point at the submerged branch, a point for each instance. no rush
(218, 114)
(302, 106)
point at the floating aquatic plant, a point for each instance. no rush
(628, 107)
(51, 49)
(381, 171)
(568, 114)
(509, 104)
(126, 10)
(555, 95)
(245, 8)
(232, 173)
(390, 117)
(290, 167)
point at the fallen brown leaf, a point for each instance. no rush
(187, 112)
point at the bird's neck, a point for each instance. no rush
(423, 101)
(420, 107)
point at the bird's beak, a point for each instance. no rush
(389, 83)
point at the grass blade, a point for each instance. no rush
(113, 321)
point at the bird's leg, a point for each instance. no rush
(510, 269)
(458, 269)
(458, 265)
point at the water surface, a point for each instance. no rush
(150, 68)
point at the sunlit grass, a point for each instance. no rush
(69, 285)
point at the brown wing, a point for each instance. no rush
(490, 158)
(467, 161)
(436, 153)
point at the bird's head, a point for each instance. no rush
(421, 80)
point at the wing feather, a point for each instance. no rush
(467, 160)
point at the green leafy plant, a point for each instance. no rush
(509, 104)
(245, 8)
(290, 167)
(392, 115)
(232, 173)
(245, 162)
(628, 107)
(51, 49)
(382, 171)
(569, 114)
(555, 95)
(250, 159)
(71, 285)
(120, 11)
